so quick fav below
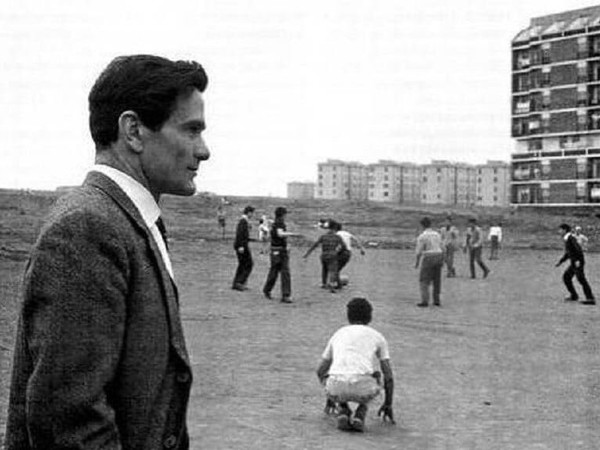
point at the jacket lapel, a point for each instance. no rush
(170, 296)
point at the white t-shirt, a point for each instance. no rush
(356, 349)
(347, 238)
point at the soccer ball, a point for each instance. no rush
(344, 280)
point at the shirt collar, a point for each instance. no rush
(138, 194)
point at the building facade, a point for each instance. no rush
(556, 110)
(342, 180)
(492, 184)
(301, 189)
(440, 182)
(392, 181)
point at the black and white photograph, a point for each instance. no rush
(316, 225)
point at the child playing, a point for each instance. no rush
(331, 245)
(351, 368)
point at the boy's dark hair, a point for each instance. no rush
(146, 84)
(249, 209)
(426, 222)
(359, 311)
(280, 211)
(333, 225)
(565, 226)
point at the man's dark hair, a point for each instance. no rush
(249, 209)
(146, 84)
(426, 222)
(359, 311)
(280, 211)
(565, 226)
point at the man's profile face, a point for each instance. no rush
(171, 155)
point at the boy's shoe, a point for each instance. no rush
(286, 300)
(343, 422)
(357, 424)
(571, 299)
(267, 295)
(422, 304)
(588, 301)
(358, 421)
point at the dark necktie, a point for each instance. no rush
(163, 231)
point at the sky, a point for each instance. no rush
(291, 83)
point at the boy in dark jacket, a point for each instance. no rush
(574, 254)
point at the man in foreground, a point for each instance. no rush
(100, 359)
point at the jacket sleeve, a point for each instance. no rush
(73, 320)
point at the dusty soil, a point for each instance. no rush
(503, 364)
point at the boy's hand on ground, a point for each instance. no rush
(387, 412)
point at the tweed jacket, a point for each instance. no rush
(100, 360)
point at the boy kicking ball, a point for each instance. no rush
(351, 368)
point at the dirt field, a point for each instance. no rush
(503, 364)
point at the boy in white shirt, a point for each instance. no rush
(351, 368)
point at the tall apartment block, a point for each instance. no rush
(342, 180)
(556, 110)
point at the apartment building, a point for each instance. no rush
(440, 182)
(492, 183)
(301, 189)
(392, 181)
(342, 180)
(556, 110)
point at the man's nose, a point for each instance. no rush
(202, 152)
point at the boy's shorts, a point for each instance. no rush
(352, 388)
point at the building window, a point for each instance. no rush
(495, 198)
(495, 179)
(424, 179)
(495, 171)
(385, 194)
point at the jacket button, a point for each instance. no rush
(170, 442)
(183, 377)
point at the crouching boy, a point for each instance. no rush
(351, 368)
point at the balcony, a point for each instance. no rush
(522, 107)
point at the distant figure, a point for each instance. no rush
(495, 237)
(280, 260)
(582, 239)
(331, 245)
(264, 230)
(346, 253)
(474, 245)
(574, 254)
(242, 250)
(430, 258)
(351, 367)
(451, 244)
(221, 219)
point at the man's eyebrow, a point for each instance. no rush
(195, 123)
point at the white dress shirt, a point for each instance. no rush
(145, 204)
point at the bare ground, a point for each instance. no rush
(503, 364)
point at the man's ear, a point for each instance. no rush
(130, 128)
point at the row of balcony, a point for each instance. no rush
(523, 83)
(540, 103)
(537, 57)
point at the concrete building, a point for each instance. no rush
(440, 182)
(342, 180)
(556, 110)
(392, 181)
(301, 190)
(492, 184)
